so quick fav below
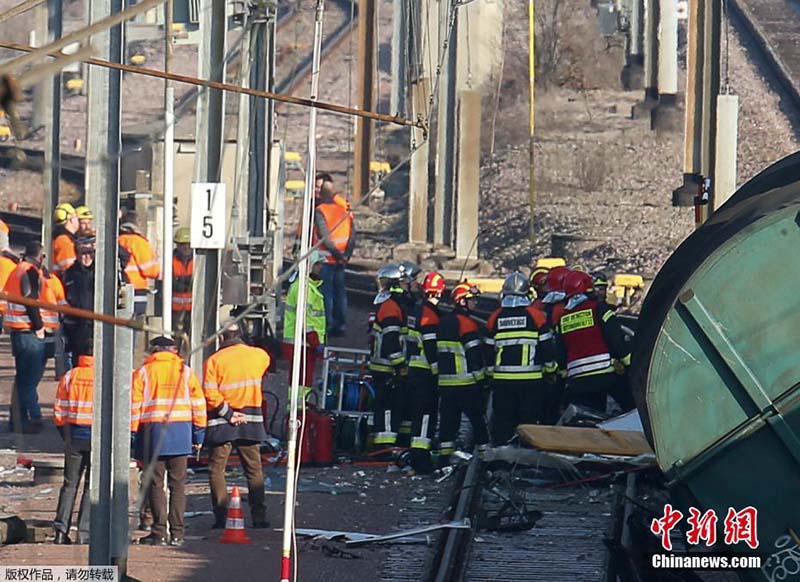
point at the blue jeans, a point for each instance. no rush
(29, 360)
(335, 296)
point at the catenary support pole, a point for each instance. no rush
(208, 168)
(531, 117)
(397, 101)
(712, 35)
(51, 172)
(102, 193)
(469, 175)
(366, 97)
(169, 173)
(693, 128)
(446, 131)
(418, 172)
(300, 319)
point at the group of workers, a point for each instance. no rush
(553, 341)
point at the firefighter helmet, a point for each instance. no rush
(577, 282)
(389, 275)
(515, 284)
(63, 212)
(555, 279)
(183, 235)
(410, 270)
(464, 291)
(599, 279)
(538, 277)
(434, 284)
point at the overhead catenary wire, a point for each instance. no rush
(280, 97)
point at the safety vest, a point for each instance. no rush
(8, 263)
(166, 396)
(587, 351)
(54, 294)
(460, 351)
(143, 263)
(75, 399)
(315, 311)
(232, 382)
(387, 353)
(182, 270)
(63, 252)
(4, 227)
(342, 201)
(423, 326)
(522, 342)
(340, 227)
(16, 317)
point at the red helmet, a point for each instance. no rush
(464, 291)
(433, 284)
(539, 276)
(577, 282)
(555, 279)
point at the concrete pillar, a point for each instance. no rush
(727, 140)
(445, 143)
(397, 105)
(633, 71)
(650, 60)
(418, 178)
(469, 161)
(665, 116)
(693, 131)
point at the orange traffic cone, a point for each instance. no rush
(234, 523)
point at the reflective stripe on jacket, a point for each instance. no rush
(166, 396)
(16, 317)
(64, 253)
(522, 344)
(232, 382)
(54, 293)
(460, 351)
(75, 400)
(592, 338)
(315, 311)
(8, 263)
(182, 270)
(423, 327)
(387, 354)
(143, 263)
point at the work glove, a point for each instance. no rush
(619, 368)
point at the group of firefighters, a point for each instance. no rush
(553, 341)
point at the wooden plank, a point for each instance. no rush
(570, 439)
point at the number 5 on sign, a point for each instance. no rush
(208, 215)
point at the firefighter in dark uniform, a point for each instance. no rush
(387, 362)
(524, 351)
(412, 298)
(423, 371)
(462, 372)
(592, 341)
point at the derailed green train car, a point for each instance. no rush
(716, 367)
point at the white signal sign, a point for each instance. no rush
(208, 215)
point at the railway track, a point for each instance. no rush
(774, 26)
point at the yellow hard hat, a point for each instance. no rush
(84, 212)
(62, 212)
(183, 235)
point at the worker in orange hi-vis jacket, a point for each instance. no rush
(72, 412)
(168, 419)
(143, 265)
(66, 225)
(232, 383)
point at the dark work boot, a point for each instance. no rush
(62, 539)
